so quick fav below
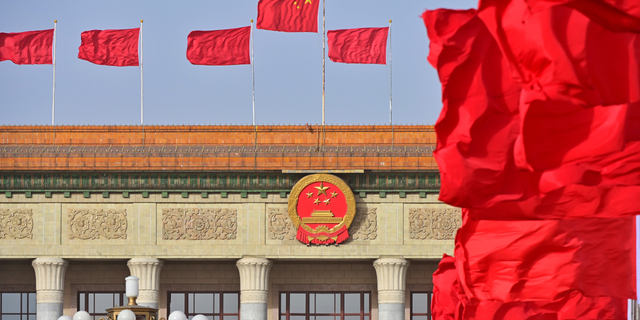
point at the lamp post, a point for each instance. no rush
(132, 308)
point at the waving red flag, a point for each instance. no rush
(510, 261)
(480, 127)
(219, 47)
(30, 47)
(362, 45)
(288, 15)
(110, 47)
(450, 302)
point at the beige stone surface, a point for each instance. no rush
(144, 236)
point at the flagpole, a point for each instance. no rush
(141, 85)
(53, 106)
(253, 80)
(390, 90)
(324, 41)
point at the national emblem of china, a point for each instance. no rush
(321, 207)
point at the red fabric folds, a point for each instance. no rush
(566, 62)
(449, 302)
(110, 47)
(288, 15)
(362, 45)
(585, 158)
(219, 47)
(30, 47)
(478, 124)
(446, 291)
(509, 261)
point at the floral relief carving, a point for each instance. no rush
(16, 224)
(93, 224)
(434, 223)
(199, 224)
(280, 225)
(365, 224)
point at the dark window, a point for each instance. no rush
(325, 306)
(213, 305)
(421, 305)
(18, 306)
(96, 303)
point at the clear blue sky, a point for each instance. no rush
(288, 67)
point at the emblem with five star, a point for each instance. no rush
(322, 189)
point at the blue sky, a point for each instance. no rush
(288, 67)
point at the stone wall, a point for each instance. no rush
(214, 227)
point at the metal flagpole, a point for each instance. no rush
(141, 87)
(141, 81)
(390, 90)
(53, 106)
(324, 43)
(253, 79)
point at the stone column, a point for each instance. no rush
(49, 287)
(254, 278)
(148, 270)
(392, 275)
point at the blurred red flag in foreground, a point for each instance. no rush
(110, 47)
(30, 47)
(288, 15)
(449, 302)
(543, 260)
(589, 157)
(362, 45)
(219, 47)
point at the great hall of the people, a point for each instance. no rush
(210, 218)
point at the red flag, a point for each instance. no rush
(30, 47)
(510, 261)
(363, 45)
(563, 69)
(110, 47)
(219, 47)
(449, 302)
(615, 15)
(446, 291)
(480, 125)
(288, 15)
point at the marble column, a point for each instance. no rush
(392, 275)
(254, 278)
(148, 270)
(49, 287)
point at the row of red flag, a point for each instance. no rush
(539, 142)
(218, 47)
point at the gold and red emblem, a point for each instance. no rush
(322, 207)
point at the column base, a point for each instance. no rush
(391, 311)
(48, 311)
(253, 311)
(149, 304)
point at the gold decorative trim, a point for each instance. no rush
(303, 183)
(321, 220)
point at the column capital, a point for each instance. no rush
(254, 279)
(148, 270)
(49, 279)
(392, 275)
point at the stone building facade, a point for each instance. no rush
(200, 215)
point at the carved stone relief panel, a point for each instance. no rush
(434, 223)
(199, 224)
(16, 224)
(279, 224)
(365, 224)
(93, 224)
